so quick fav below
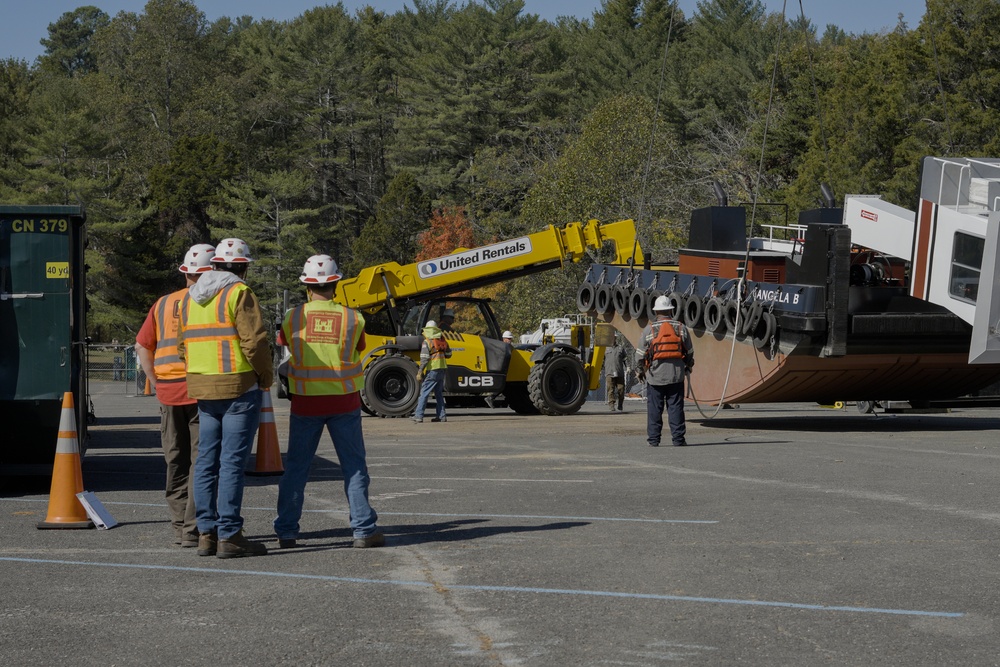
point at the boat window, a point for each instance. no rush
(966, 261)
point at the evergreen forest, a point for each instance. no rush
(392, 137)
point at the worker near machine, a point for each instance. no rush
(507, 337)
(156, 349)
(664, 355)
(434, 353)
(223, 340)
(448, 320)
(614, 376)
(324, 379)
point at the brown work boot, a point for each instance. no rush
(238, 546)
(373, 540)
(207, 544)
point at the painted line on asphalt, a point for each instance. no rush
(467, 479)
(418, 514)
(502, 589)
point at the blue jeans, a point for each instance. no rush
(673, 396)
(303, 438)
(225, 439)
(434, 381)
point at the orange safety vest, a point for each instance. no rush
(167, 365)
(323, 340)
(665, 344)
(210, 337)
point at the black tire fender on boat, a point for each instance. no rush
(693, 308)
(585, 297)
(766, 328)
(677, 299)
(713, 314)
(602, 299)
(650, 302)
(637, 303)
(619, 296)
(730, 312)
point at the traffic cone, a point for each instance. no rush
(268, 452)
(65, 509)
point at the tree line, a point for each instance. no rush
(374, 136)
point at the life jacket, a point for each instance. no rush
(438, 346)
(666, 344)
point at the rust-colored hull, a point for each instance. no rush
(757, 376)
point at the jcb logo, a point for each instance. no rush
(475, 381)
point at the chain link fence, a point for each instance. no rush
(115, 369)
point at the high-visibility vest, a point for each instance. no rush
(439, 352)
(210, 337)
(323, 340)
(167, 365)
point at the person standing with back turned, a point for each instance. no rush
(325, 377)
(156, 349)
(665, 353)
(224, 343)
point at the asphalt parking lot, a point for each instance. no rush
(784, 535)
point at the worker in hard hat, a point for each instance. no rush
(434, 353)
(507, 337)
(156, 349)
(665, 355)
(224, 343)
(614, 376)
(447, 320)
(325, 377)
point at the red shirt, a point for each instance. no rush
(331, 404)
(169, 393)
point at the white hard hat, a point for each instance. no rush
(320, 269)
(431, 324)
(198, 259)
(662, 303)
(506, 334)
(232, 251)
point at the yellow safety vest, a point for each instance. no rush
(210, 337)
(167, 365)
(323, 337)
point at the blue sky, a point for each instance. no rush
(25, 22)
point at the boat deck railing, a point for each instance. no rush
(791, 241)
(962, 199)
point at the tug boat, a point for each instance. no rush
(868, 302)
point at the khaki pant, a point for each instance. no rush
(179, 438)
(615, 387)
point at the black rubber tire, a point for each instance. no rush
(637, 303)
(729, 312)
(585, 297)
(602, 299)
(746, 316)
(619, 297)
(677, 299)
(866, 407)
(694, 306)
(558, 385)
(650, 300)
(714, 314)
(519, 399)
(766, 328)
(391, 388)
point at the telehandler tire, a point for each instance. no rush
(558, 385)
(391, 388)
(519, 399)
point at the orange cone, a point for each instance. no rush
(65, 509)
(268, 452)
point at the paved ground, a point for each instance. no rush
(785, 535)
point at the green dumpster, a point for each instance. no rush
(42, 332)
